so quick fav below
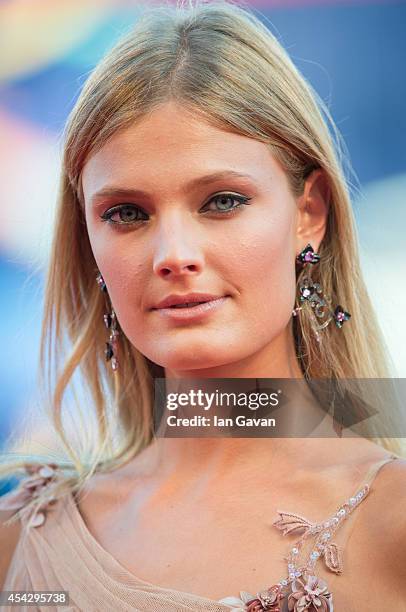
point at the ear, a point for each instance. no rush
(312, 211)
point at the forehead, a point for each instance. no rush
(172, 144)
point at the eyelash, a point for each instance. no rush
(107, 216)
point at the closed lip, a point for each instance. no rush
(172, 300)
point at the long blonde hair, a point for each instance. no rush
(221, 62)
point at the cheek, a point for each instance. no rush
(126, 281)
(265, 266)
(123, 270)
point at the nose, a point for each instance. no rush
(176, 255)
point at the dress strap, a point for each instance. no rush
(365, 487)
(322, 533)
(375, 468)
(361, 492)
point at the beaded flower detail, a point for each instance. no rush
(40, 477)
(302, 590)
(312, 292)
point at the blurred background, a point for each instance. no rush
(353, 53)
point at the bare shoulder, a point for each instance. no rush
(387, 519)
(95, 493)
(390, 492)
(104, 496)
(393, 489)
(103, 492)
(9, 536)
(99, 498)
(375, 548)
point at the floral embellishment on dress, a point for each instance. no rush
(333, 558)
(310, 596)
(267, 600)
(29, 488)
(289, 522)
(302, 590)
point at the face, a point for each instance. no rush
(174, 205)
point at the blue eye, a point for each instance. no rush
(223, 198)
(130, 214)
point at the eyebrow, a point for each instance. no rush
(201, 181)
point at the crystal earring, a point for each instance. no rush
(312, 293)
(110, 321)
(307, 255)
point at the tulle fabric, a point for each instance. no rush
(59, 555)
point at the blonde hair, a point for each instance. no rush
(219, 61)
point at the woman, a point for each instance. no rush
(198, 166)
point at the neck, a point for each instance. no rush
(194, 456)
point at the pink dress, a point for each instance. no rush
(57, 552)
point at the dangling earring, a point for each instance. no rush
(312, 293)
(110, 321)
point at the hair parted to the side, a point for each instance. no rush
(220, 61)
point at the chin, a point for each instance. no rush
(186, 361)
